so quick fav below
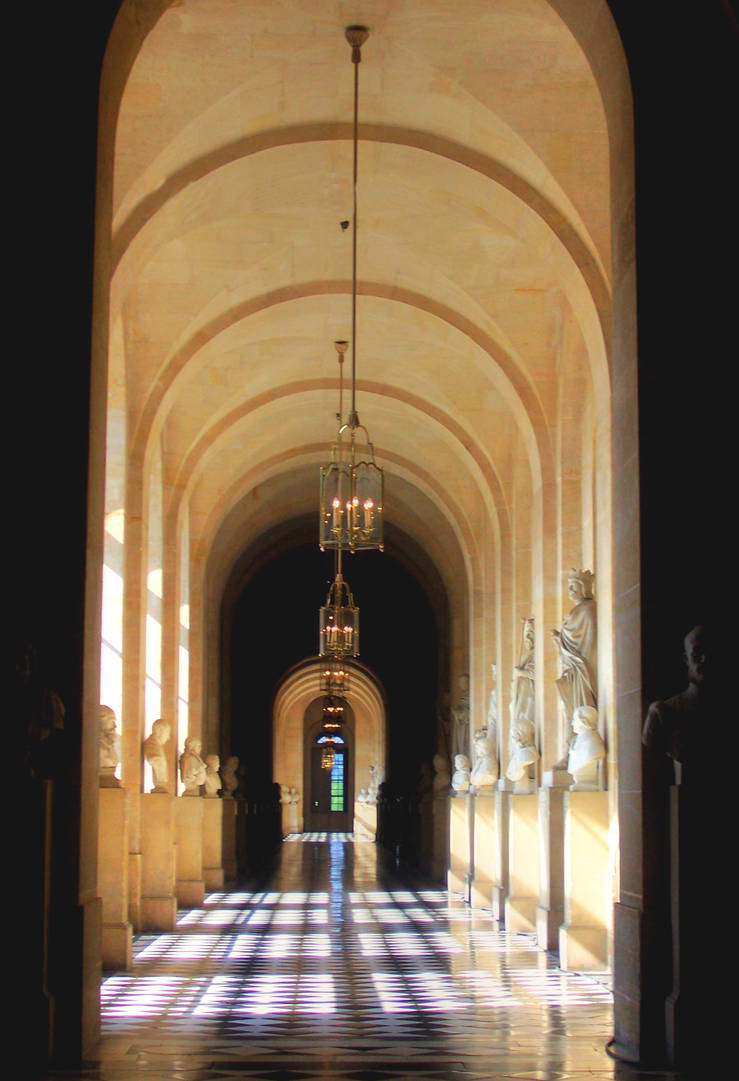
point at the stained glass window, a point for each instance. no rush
(337, 783)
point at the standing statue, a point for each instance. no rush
(485, 767)
(681, 727)
(376, 779)
(578, 651)
(192, 767)
(461, 775)
(155, 755)
(461, 717)
(212, 776)
(493, 706)
(523, 708)
(587, 748)
(444, 724)
(230, 777)
(110, 748)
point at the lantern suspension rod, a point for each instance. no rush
(356, 36)
(341, 348)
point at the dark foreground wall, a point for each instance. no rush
(683, 60)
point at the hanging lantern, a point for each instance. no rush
(352, 484)
(338, 622)
(352, 497)
(334, 679)
(328, 757)
(333, 710)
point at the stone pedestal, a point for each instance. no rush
(425, 833)
(440, 838)
(290, 818)
(113, 877)
(583, 938)
(460, 845)
(501, 881)
(190, 882)
(158, 897)
(242, 858)
(365, 820)
(523, 864)
(135, 875)
(228, 856)
(483, 847)
(550, 911)
(213, 875)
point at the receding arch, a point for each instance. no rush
(500, 586)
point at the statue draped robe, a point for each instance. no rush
(577, 685)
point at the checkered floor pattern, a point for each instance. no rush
(338, 969)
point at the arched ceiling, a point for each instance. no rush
(483, 228)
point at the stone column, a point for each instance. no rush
(481, 885)
(190, 881)
(501, 878)
(583, 938)
(158, 897)
(523, 852)
(440, 817)
(213, 874)
(229, 860)
(460, 846)
(550, 910)
(113, 877)
(365, 819)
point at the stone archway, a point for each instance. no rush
(183, 480)
(294, 730)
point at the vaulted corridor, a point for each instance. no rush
(337, 966)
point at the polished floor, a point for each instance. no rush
(337, 968)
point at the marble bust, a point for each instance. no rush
(586, 749)
(212, 776)
(681, 727)
(523, 750)
(192, 767)
(485, 766)
(461, 775)
(155, 755)
(577, 642)
(229, 776)
(110, 748)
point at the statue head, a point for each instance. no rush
(440, 763)
(107, 719)
(695, 654)
(160, 730)
(483, 743)
(232, 762)
(464, 683)
(584, 719)
(461, 762)
(528, 632)
(213, 762)
(580, 584)
(193, 745)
